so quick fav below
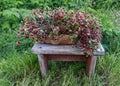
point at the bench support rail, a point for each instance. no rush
(43, 62)
(90, 62)
(90, 65)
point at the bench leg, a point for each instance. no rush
(43, 64)
(90, 65)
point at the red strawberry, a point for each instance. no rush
(37, 40)
(22, 30)
(26, 36)
(81, 17)
(31, 34)
(35, 31)
(18, 43)
(81, 24)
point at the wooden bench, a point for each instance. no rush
(48, 52)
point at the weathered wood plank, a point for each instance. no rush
(66, 57)
(48, 52)
(62, 49)
(43, 64)
(90, 65)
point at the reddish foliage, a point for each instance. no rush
(60, 21)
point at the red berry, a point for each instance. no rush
(60, 27)
(31, 34)
(26, 24)
(63, 12)
(37, 40)
(18, 43)
(35, 31)
(22, 30)
(81, 24)
(81, 17)
(60, 16)
(26, 36)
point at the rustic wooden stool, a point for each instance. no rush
(47, 52)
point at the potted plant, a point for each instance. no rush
(62, 26)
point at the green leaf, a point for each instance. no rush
(7, 13)
(74, 36)
(20, 2)
(5, 25)
(35, 1)
(91, 10)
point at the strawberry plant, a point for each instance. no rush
(83, 28)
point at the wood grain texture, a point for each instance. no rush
(90, 65)
(62, 49)
(43, 64)
(48, 52)
(66, 57)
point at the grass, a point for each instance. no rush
(24, 70)
(18, 67)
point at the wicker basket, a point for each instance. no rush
(62, 39)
